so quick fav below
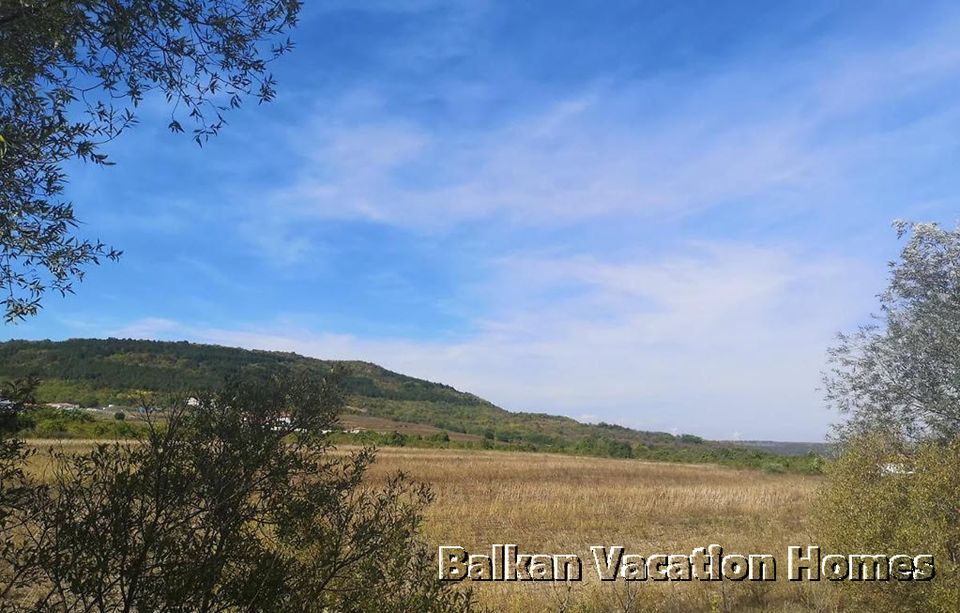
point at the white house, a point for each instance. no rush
(896, 468)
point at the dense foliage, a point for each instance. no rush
(15, 396)
(598, 446)
(48, 422)
(895, 488)
(95, 372)
(230, 505)
(914, 509)
(71, 76)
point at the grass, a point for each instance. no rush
(562, 504)
(51, 423)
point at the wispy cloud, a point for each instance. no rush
(709, 340)
(779, 133)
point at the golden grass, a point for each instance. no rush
(563, 504)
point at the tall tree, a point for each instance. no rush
(71, 76)
(901, 373)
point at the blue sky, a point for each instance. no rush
(654, 214)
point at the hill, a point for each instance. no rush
(100, 372)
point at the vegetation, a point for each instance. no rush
(598, 447)
(560, 504)
(901, 373)
(95, 372)
(222, 506)
(915, 509)
(896, 486)
(130, 372)
(15, 396)
(71, 76)
(557, 503)
(46, 422)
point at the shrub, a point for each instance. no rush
(912, 509)
(222, 506)
(774, 468)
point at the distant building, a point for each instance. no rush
(896, 468)
(282, 422)
(67, 406)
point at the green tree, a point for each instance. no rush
(234, 504)
(71, 76)
(901, 373)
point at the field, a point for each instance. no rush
(561, 504)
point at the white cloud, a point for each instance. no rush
(723, 337)
(148, 327)
(663, 147)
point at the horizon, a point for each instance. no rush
(439, 383)
(655, 216)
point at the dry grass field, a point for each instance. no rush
(564, 504)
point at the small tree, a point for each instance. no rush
(224, 506)
(898, 383)
(901, 374)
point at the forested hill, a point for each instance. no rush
(97, 372)
(100, 372)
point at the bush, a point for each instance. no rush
(912, 508)
(119, 416)
(221, 507)
(774, 468)
(439, 437)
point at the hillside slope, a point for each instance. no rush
(94, 372)
(97, 372)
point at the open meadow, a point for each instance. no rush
(564, 504)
